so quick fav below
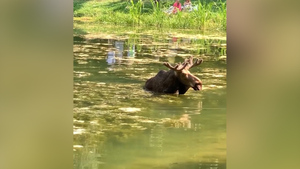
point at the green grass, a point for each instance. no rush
(211, 15)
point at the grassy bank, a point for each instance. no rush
(211, 15)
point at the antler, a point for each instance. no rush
(191, 64)
(198, 62)
(176, 68)
(190, 60)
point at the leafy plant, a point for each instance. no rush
(209, 15)
(135, 10)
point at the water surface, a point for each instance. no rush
(118, 125)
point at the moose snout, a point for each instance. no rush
(197, 87)
(197, 84)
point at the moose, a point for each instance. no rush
(177, 79)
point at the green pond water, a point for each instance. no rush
(118, 125)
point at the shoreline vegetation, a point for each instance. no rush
(210, 16)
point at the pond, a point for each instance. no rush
(118, 125)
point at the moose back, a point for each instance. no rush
(177, 79)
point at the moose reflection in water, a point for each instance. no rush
(177, 79)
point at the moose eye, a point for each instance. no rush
(185, 75)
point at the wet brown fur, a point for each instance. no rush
(174, 81)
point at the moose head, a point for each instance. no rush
(178, 78)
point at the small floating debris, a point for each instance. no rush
(81, 74)
(223, 57)
(130, 109)
(78, 131)
(140, 127)
(183, 55)
(218, 75)
(94, 122)
(83, 55)
(214, 86)
(77, 146)
(147, 121)
(88, 46)
(100, 83)
(84, 108)
(82, 62)
(79, 121)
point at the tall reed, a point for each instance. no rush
(203, 14)
(222, 13)
(158, 15)
(135, 10)
(209, 15)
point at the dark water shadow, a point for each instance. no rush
(78, 32)
(195, 165)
